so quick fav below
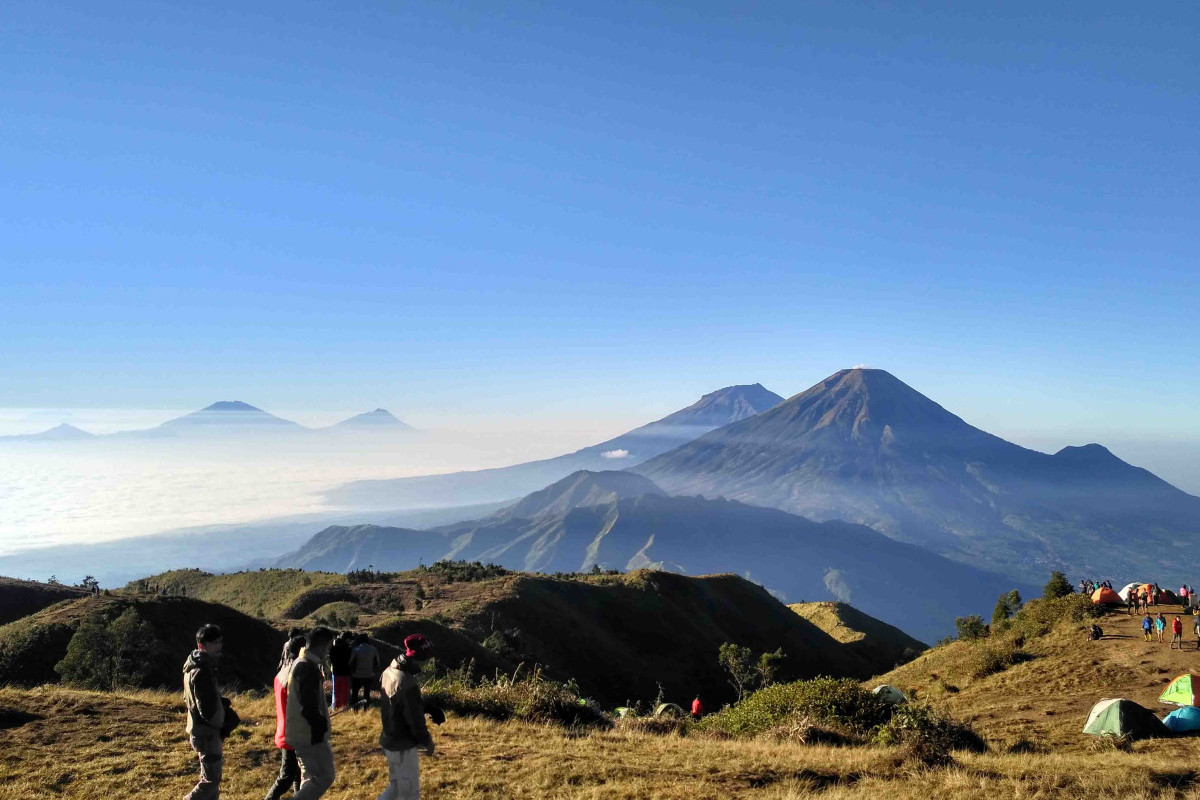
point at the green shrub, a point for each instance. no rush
(970, 629)
(837, 703)
(927, 737)
(111, 656)
(1040, 616)
(990, 659)
(530, 698)
(1058, 586)
(339, 614)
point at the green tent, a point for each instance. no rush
(1181, 691)
(1123, 718)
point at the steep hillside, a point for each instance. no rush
(20, 598)
(863, 447)
(31, 646)
(881, 645)
(1038, 680)
(711, 411)
(263, 593)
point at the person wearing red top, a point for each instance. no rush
(1177, 633)
(697, 708)
(289, 767)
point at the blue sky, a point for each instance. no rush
(603, 210)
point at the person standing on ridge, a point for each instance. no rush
(339, 665)
(364, 670)
(1147, 625)
(306, 717)
(697, 709)
(1177, 632)
(205, 711)
(1160, 625)
(402, 717)
(289, 766)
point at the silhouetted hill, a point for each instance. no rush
(227, 416)
(20, 598)
(711, 411)
(864, 447)
(31, 646)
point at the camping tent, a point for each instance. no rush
(1129, 587)
(1105, 596)
(668, 710)
(1121, 717)
(1183, 719)
(1162, 598)
(890, 694)
(1181, 691)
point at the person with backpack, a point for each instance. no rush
(306, 717)
(402, 719)
(1147, 625)
(289, 766)
(1160, 625)
(206, 711)
(339, 665)
(1177, 632)
(364, 670)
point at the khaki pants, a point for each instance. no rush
(316, 771)
(208, 749)
(404, 775)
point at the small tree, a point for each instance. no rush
(1001, 612)
(970, 628)
(739, 665)
(1014, 601)
(110, 656)
(768, 666)
(90, 583)
(1057, 586)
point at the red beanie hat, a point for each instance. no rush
(418, 647)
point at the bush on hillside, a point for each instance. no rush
(463, 571)
(525, 696)
(29, 651)
(110, 656)
(840, 704)
(1038, 617)
(1058, 586)
(926, 738)
(992, 658)
(971, 628)
(339, 615)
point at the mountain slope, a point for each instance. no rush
(711, 411)
(881, 645)
(232, 416)
(590, 520)
(20, 598)
(864, 447)
(59, 433)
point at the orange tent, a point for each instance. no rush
(1106, 596)
(1162, 598)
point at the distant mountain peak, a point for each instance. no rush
(1088, 451)
(231, 405)
(379, 418)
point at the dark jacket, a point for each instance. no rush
(339, 657)
(364, 661)
(400, 709)
(206, 712)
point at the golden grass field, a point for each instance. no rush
(99, 745)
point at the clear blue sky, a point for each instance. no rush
(603, 208)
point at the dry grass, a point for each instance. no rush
(88, 745)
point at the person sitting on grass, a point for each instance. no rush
(402, 718)
(1160, 625)
(1147, 625)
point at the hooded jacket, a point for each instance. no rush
(206, 712)
(306, 717)
(401, 711)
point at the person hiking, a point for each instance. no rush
(1130, 603)
(1160, 625)
(289, 767)
(205, 711)
(306, 717)
(364, 670)
(1147, 625)
(339, 665)
(283, 653)
(1177, 632)
(697, 708)
(402, 718)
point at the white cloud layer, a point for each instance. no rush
(615, 454)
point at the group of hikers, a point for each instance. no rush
(302, 712)
(1151, 625)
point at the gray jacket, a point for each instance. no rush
(400, 709)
